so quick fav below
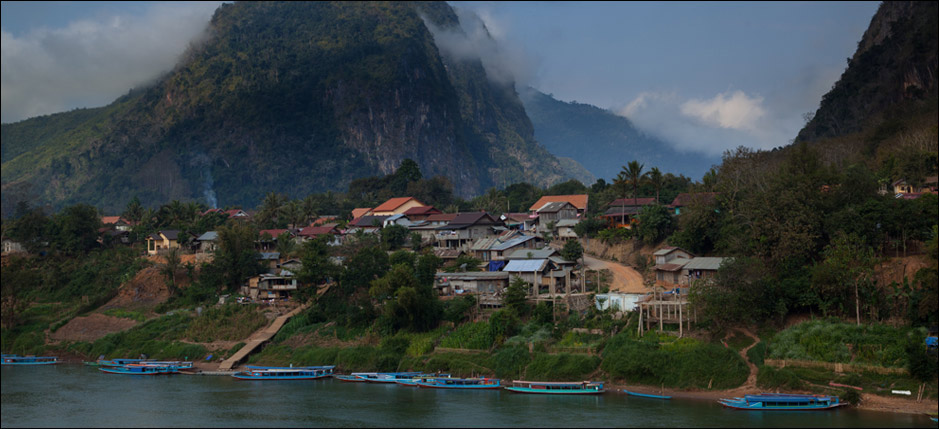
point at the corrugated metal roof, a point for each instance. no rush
(475, 275)
(542, 253)
(525, 265)
(567, 222)
(208, 236)
(703, 263)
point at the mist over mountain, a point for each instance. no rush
(292, 97)
(603, 141)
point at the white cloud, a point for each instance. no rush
(483, 37)
(738, 111)
(711, 126)
(91, 62)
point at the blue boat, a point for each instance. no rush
(378, 377)
(412, 381)
(274, 373)
(645, 395)
(138, 369)
(350, 378)
(29, 360)
(290, 367)
(460, 383)
(557, 388)
(120, 361)
(782, 402)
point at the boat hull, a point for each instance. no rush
(747, 407)
(261, 378)
(554, 392)
(350, 378)
(124, 371)
(28, 361)
(646, 395)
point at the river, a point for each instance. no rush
(76, 395)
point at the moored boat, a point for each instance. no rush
(350, 378)
(120, 361)
(280, 373)
(646, 395)
(412, 381)
(29, 360)
(139, 369)
(460, 383)
(557, 388)
(782, 402)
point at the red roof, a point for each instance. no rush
(632, 202)
(274, 233)
(110, 220)
(313, 231)
(322, 220)
(359, 212)
(579, 201)
(422, 210)
(394, 203)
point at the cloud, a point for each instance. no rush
(91, 62)
(713, 125)
(483, 37)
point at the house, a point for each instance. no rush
(269, 286)
(290, 267)
(117, 222)
(269, 260)
(416, 214)
(207, 242)
(10, 246)
(578, 201)
(466, 228)
(684, 199)
(267, 238)
(519, 221)
(622, 210)
(396, 206)
(427, 228)
(667, 253)
(113, 236)
(699, 268)
(552, 213)
(161, 241)
(565, 228)
(313, 232)
(398, 219)
(489, 287)
(493, 248)
(367, 223)
(448, 255)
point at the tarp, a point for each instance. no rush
(496, 265)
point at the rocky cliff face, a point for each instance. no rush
(892, 73)
(293, 97)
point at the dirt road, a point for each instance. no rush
(625, 279)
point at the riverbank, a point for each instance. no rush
(869, 402)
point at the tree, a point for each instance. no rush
(286, 244)
(317, 267)
(77, 228)
(134, 211)
(368, 264)
(271, 210)
(655, 223)
(235, 256)
(394, 236)
(848, 262)
(170, 267)
(656, 179)
(631, 176)
(516, 295)
(572, 250)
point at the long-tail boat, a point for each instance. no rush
(28, 360)
(782, 402)
(139, 369)
(412, 381)
(460, 383)
(557, 388)
(281, 373)
(646, 395)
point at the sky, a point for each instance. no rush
(705, 77)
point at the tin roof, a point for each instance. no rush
(526, 265)
(704, 263)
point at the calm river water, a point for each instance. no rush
(76, 395)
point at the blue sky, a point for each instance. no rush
(704, 76)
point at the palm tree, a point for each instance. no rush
(631, 175)
(134, 211)
(271, 208)
(169, 268)
(655, 178)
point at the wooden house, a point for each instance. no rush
(578, 201)
(552, 213)
(466, 228)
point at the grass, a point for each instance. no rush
(739, 341)
(156, 338)
(474, 335)
(837, 342)
(229, 322)
(561, 367)
(125, 314)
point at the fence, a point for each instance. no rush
(836, 367)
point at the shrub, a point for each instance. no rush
(562, 366)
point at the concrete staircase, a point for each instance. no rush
(261, 336)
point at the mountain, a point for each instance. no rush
(292, 97)
(885, 105)
(602, 141)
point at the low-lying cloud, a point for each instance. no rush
(91, 62)
(482, 37)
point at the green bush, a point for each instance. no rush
(475, 335)
(832, 341)
(562, 367)
(757, 353)
(782, 378)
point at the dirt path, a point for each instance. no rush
(625, 279)
(751, 379)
